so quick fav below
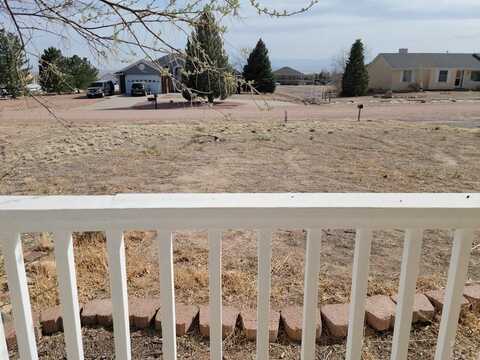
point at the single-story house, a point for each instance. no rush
(160, 76)
(404, 71)
(288, 76)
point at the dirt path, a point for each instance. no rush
(127, 110)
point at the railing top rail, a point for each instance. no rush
(229, 211)
(244, 201)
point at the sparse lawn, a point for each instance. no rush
(401, 145)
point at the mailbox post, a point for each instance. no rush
(360, 107)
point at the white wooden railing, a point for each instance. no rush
(169, 212)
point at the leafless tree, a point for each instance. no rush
(112, 26)
(121, 29)
(118, 28)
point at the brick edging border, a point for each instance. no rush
(144, 313)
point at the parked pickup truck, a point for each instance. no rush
(100, 89)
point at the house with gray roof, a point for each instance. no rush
(404, 71)
(160, 76)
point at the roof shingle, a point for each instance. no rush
(432, 60)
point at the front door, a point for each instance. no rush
(459, 79)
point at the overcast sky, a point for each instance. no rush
(309, 41)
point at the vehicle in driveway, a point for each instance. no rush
(33, 88)
(138, 89)
(100, 89)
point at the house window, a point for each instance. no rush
(407, 76)
(475, 76)
(442, 76)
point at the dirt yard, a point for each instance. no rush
(413, 143)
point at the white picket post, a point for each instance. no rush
(67, 286)
(19, 296)
(118, 289)
(412, 249)
(356, 314)
(3, 341)
(312, 269)
(457, 273)
(167, 294)
(264, 250)
(215, 285)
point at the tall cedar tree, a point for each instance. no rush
(13, 64)
(355, 77)
(79, 72)
(259, 70)
(51, 71)
(207, 73)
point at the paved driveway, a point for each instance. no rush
(115, 102)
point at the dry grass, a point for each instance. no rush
(260, 154)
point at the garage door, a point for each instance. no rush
(152, 83)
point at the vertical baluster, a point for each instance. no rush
(118, 286)
(215, 284)
(457, 273)
(19, 296)
(412, 249)
(167, 295)
(264, 248)
(356, 316)
(312, 269)
(3, 341)
(67, 285)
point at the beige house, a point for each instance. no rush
(405, 71)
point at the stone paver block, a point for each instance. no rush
(142, 311)
(229, 320)
(9, 329)
(423, 309)
(472, 294)
(249, 324)
(292, 318)
(51, 320)
(437, 298)
(335, 316)
(97, 312)
(185, 316)
(380, 312)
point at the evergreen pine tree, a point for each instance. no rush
(79, 72)
(13, 64)
(207, 73)
(259, 70)
(51, 71)
(355, 77)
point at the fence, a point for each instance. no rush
(265, 212)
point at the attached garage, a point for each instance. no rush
(152, 83)
(140, 72)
